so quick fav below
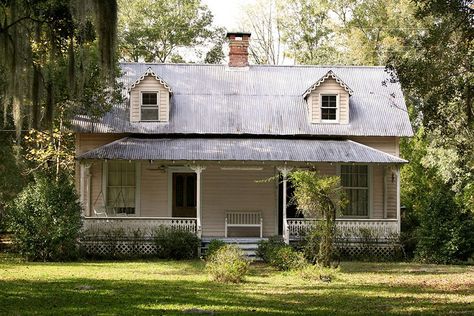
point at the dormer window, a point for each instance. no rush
(329, 108)
(149, 107)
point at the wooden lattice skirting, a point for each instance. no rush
(119, 247)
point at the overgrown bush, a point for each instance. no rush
(45, 220)
(176, 244)
(227, 264)
(313, 272)
(266, 248)
(213, 246)
(310, 244)
(286, 258)
(446, 232)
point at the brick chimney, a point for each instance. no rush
(238, 49)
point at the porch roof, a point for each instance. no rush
(240, 149)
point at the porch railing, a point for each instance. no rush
(133, 226)
(347, 229)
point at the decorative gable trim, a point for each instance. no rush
(331, 74)
(150, 72)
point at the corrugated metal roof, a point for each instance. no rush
(234, 149)
(263, 100)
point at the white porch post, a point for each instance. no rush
(284, 172)
(198, 170)
(399, 220)
(85, 187)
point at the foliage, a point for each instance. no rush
(311, 242)
(176, 244)
(45, 220)
(314, 272)
(227, 264)
(437, 226)
(446, 233)
(213, 246)
(44, 46)
(319, 196)
(287, 258)
(267, 247)
(156, 30)
(11, 177)
(263, 20)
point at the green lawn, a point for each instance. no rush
(168, 287)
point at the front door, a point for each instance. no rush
(184, 195)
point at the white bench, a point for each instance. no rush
(243, 219)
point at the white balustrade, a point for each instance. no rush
(135, 226)
(347, 229)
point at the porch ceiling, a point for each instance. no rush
(234, 149)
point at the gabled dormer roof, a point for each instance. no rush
(329, 74)
(150, 72)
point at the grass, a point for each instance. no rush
(170, 288)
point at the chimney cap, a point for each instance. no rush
(237, 34)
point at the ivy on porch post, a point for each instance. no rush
(198, 170)
(85, 187)
(284, 173)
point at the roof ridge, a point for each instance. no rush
(254, 66)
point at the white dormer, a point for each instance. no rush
(149, 99)
(328, 100)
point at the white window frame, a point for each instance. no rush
(370, 191)
(105, 179)
(321, 107)
(150, 106)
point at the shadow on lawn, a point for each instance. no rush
(91, 296)
(403, 268)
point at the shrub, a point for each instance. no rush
(227, 264)
(313, 272)
(176, 244)
(45, 220)
(311, 243)
(286, 258)
(446, 232)
(213, 246)
(266, 248)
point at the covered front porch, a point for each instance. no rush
(230, 188)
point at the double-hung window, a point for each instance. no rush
(121, 187)
(149, 106)
(329, 108)
(355, 181)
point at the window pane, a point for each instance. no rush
(329, 101)
(149, 114)
(150, 98)
(328, 114)
(121, 186)
(355, 181)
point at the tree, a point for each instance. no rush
(319, 196)
(438, 77)
(156, 30)
(47, 39)
(263, 20)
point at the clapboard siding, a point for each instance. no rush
(153, 191)
(388, 145)
(329, 86)
(237, 190)
(149, 83)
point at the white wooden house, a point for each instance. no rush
(191, 141)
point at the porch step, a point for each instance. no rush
(248, 245)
